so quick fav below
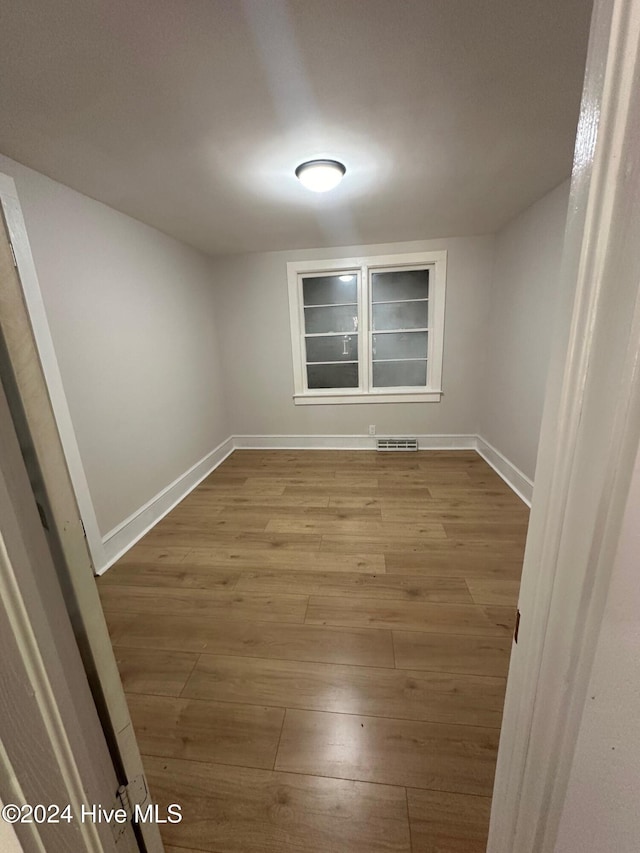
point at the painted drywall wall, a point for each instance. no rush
(600, 813)
(253, 315)
(520, 328)
(132, 317)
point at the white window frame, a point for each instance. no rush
(363, 267)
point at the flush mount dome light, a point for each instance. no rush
(320, 175)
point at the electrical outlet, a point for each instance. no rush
(372, 429)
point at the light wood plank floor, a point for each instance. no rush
(314, 645)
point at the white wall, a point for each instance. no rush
(253, 314)
(132, 318)
(601, 813)
(519, 333)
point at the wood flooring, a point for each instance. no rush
(314, 646)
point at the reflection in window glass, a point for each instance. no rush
(330, 289)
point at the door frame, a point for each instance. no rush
(48, 721)
(588, 445)
(39, 429)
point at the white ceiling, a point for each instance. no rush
(450, 115)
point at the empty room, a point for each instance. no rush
(318, 424)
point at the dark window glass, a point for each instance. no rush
(400, 345)
(401, 315)
(391, 374)
(332, 375)
(333, 348)
(329, 290)
(406, 284)
(339, 319)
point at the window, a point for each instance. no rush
(368, 330)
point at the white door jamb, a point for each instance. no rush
(589, 441)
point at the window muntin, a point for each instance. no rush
(368, 329)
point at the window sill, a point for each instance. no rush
(318, 399)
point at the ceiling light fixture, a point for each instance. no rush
(346, 277)
(320, 175)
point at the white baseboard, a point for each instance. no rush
(347, 442)
(119, 540)
(513, 477)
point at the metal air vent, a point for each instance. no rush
(397, 444)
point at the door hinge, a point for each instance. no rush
(13, 254)
(517, 628)
(129, 797)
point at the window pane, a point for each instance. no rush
(403, 345)
(400, 315)
(329, 290)
(338, 348)
(399, 373)
(343, 319)
(332, 375)
(407, 284)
